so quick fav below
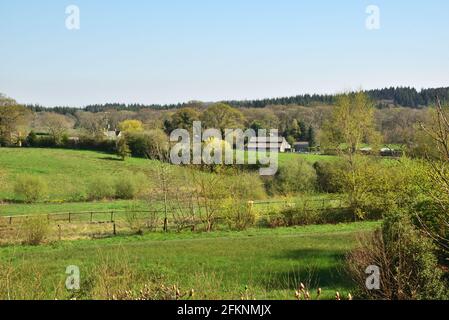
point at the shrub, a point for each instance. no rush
(125, 188)
(153, 144)
(246, 186)
(406, 258)
(240, 215)
(35, 230)
(135, 222)
(100, 188)
(329, 176)
(301, 213)
(296, 177)
(122, 149)
(30, 188)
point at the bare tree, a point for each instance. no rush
(438, 131)
(12, 116)
(56, 124)
(93, 123)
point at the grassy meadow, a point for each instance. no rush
(269, 262)
(69, 173)
(217, 265)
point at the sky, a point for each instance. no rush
(171, 51)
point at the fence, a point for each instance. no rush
(99, 223)
(110, 216)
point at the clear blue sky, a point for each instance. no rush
(171, 51)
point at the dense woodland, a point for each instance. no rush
(398, 97)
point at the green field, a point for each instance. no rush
(218, 265)
(69, 172)
(271, 262)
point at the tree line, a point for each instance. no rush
(393, 96)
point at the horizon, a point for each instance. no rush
(172, 52)
(219, 101)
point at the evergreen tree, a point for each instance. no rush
(122, 149)
(311, 137)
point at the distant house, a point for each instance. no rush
(112, 135)
(389, 152)
(301, 146)
(264, 143)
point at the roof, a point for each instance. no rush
(112, 134)
(266, 139)
(301, 144)
(262, 142)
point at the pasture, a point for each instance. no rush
(218, 265)
(257, 263)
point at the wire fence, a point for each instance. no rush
(97, 224)
(110, 216)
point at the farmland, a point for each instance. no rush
(71, 171)
(217, 265)
(222, 258)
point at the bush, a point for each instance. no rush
(240, 215)
(135, 222)
(153, 144)
(409, 268)
(296, 177)
(35, 230)
(246, 186)
(329, 176)
(125, 188)
(100, 188)
(30, 189)
(300, 214)
(122, 149)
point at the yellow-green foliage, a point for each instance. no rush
(125, 187)
(35, 230)
(239, 214)
(30, 188)
(298, 177)
(100, 188)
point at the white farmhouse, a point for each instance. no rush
(263, 143)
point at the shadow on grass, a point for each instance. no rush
(110, 159)
(313, 267)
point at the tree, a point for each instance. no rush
(303, 133)
(182, 119)
(295, 130)
(122, 148)
(12, 116)
(131, 126)
(56, 124)
(311, 137)
(437, 226)
(93, 123)
(351, 124)
(222, 116)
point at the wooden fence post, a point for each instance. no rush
(114, 231)
(112, 216)
(70, 218)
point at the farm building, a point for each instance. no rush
(112, 135)
(301, 147)
(264, 143)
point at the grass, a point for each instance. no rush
(46, 208)
(218, 265)
(16, 209)
(68, 172)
